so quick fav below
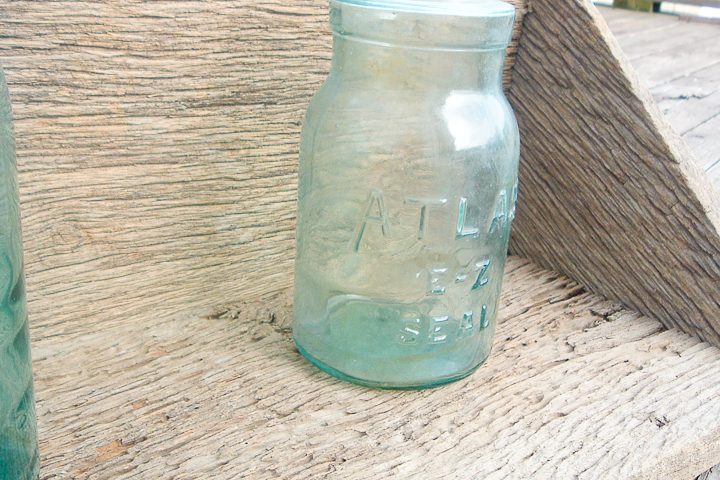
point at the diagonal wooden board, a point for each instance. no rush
(611, 195)
(577, 387)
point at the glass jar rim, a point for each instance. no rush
(425, 24)
(472, 8)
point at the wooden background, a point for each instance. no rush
(157, 145)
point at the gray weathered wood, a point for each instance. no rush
(705, 141)
(611, 195)
(145, 176)
(688, 111)
(576, 387)
(680, 62)
(630, 22)
(666, 37)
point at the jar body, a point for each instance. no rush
(408, 181)
(18, 434)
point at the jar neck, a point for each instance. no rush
(361, 61)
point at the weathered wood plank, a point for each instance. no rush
(678, 61)
(615, 14)
(157, 147)
(689, 110)
(668, 36)
(701, 83)
(611, 194)
(630, 23)
(704, 140)
(690, 101)
(576, 388)
(714, 173)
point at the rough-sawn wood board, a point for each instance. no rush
(610, 194)
(576, 387)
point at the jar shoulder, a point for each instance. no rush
(454, 121)
(336, 103)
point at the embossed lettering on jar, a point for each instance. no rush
(408, 183)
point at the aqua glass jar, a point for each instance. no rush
(408, 182)
(18, 436)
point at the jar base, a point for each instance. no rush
(436, 382)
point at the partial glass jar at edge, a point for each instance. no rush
(18, 434)
(408, 182)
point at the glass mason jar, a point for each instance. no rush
(18, 435)
(408, 182)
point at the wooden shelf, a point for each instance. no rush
(576, 387)
(157, 154)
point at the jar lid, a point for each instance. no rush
(443, 7)
(445, 24)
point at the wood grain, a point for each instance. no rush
(577, 387)
(630, 22)
(688, 111)
(610, 194)
(680, 63)
(679, 60)
(666, 37)
(157, 146)
(704, 141)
